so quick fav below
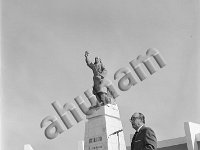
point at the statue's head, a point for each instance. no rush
(97, 60)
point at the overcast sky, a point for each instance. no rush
(43, 44)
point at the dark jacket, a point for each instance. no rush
(144, 140)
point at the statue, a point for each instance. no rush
(99, 72)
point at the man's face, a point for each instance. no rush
(135, 121)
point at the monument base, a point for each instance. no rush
(103, 130)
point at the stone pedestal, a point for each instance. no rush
(103, 130)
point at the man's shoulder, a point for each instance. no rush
(147, 131)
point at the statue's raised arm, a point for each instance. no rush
(88, 62)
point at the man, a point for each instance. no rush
(100, 73)
(144, 137)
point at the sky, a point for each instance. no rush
(42, 61)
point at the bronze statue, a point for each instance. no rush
(99, 72)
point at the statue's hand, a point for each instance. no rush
(86, 53)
